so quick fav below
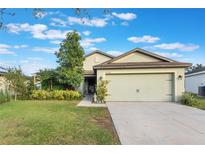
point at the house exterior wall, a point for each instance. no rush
(2, 83)
(93, 60)
(193, 82)
(178, 83)
(137, 57)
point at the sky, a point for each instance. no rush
(31, 42)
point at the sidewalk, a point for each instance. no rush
(87, 102)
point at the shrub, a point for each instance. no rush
(189, 99)
(56, 95)
(101, 91)
(40, 94)
(4, 97)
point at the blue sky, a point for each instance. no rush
(30, 42)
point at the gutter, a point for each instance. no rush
(193, 74)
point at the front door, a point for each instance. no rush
(91, 83)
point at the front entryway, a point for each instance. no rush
(89, 85)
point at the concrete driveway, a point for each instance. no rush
(157, 123)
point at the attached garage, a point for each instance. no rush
(139, 75)
(140, 87)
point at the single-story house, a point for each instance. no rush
(195, 79)
(3, 85)
(137, 75)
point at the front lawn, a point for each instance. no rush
(54, 122)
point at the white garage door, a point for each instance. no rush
(140, 87)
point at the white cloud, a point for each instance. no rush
(125, 23)
(16, 28)
(125, 16)
(114, 53)
(38, 31)
(94, 22)
(41, 14)
(87, 42)
(169, 55)
(55, 42)
(91, 49)
(143, 39)
(113, 23)
(56, 13)
(35, 58)
(4, 51)
(20, 46)
(51, 34)
(32, 66)
(86, 33)
(177, 45)
(58, 22)
(45, 49)
(5, 48)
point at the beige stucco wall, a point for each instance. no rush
(93, 60)
(178, 84)
(137, 57)
(2, 83)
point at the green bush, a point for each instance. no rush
(101, 91)
(4, 97)
(56, 95)
(189, 99)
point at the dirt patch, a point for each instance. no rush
(106, 122)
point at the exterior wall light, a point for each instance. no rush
(180, 77)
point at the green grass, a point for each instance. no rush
(54, 122)
(200, 103)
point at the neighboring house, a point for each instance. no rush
(3, 85)
(195, 79)
(137, 75)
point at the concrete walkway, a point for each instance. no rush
(87, 102)
(157, 123)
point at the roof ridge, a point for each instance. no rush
(141, 51)
(101, 52)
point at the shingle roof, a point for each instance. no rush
(140, 51)
(166, 62)
(2, 70)
(143, 65)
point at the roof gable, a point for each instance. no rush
(99, 52)
(139, 58)
(95, 58)
(139, 55)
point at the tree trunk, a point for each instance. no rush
(51, 85)
(15, 96)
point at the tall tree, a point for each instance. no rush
(16, 81)
(70, 58)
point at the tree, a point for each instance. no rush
(48, 78)
(195, 68)
(16, 81)
(70, 58)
